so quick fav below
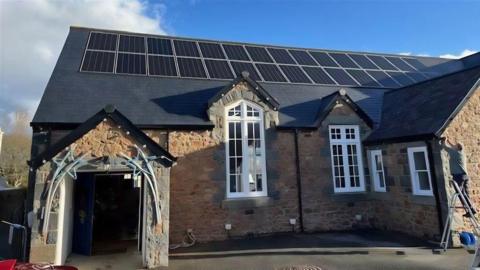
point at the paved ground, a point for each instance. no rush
(331, 251)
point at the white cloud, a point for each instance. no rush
(405, 53)
(32, 34)
(464, 53)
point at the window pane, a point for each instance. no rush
(381, 180)
(238, 130)
(235, 183)
(423, 181)
(231, 130)
(378, 162)
(238, 148)
(231, 148)
(259, 182)
(419, 159)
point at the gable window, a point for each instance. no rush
(245, 149)
(378, 174)
(420, 171)
(346, 157)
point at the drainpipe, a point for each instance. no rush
(436, 193)
(299, 182)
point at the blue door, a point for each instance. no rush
(83, 214)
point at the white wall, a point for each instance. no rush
(65, 221)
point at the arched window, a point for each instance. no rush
(245, 150)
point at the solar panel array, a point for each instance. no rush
(172, 57)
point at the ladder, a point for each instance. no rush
(452, 206)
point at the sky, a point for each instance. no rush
(32, 32)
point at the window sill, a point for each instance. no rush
(250, 202)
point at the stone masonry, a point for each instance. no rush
(399, 209)
(465, 129)
(323, 210)
(198, 187)
(106, 140)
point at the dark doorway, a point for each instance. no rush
(106, 214)
(116, 214)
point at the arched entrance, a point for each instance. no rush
(106, 149)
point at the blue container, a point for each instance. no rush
(467, 238)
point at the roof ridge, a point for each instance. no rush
(260, 44)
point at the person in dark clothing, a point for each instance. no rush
(458, 169)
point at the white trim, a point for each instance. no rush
(374, 171)
(244, 120)
(344, 143)
(413, 171)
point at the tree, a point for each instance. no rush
(16, 151)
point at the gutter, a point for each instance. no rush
(436, 193)
(299, 182)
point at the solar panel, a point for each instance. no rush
(295, 74)
(270, 73)
(401, 78)
(343, 60)
(235, 52)
(129, 63)
(381, 62)
(131, 44)
(218, 69)
(383, 78)
(417, 77)
(340, 76)
(161, 65)
(98, 61)
(191, 67)
(400, 64)
(318, 75)
(238, 67)
(102, 41)
(323, 59)
(126, 53)
(415, 63)
(211, 50)
(363, 61)
(362, 77)
(259, 54)
(303, 58)
(281, 56)
(186, 48)
(159, 46)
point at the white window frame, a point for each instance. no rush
(343, 141)
(413, 171)
(376, 171)
(244, 119)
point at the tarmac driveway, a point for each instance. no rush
(328, 251)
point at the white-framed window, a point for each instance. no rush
(245, 150)
(346, 153)
(377, 171)
(420, 171)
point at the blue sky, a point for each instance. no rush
(435, 28)
(419, 27)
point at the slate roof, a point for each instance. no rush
(422, 110)
(71, 96)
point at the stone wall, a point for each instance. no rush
(465, 128)
(198, 187)
(106, 140)
(398, 209)
(324, 210)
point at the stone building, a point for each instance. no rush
(152, 138)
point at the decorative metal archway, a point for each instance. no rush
(141, 164)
